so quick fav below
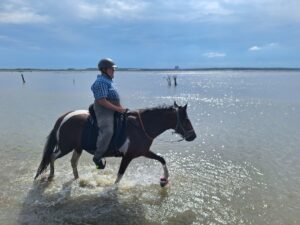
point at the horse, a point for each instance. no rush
(142, 127)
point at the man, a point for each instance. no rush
(107, 101)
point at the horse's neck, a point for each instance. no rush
(158, 122)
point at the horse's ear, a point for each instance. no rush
(175, 105)
(185, 106)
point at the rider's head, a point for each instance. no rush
(105, 64)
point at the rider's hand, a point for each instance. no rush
(123, 110)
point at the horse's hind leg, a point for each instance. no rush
(74, 162)
(55, 155)
(51, 175)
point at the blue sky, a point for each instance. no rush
(150, 34)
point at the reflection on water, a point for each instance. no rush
(243, 168)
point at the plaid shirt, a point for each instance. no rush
(103, 88)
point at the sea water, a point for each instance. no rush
(243, 167)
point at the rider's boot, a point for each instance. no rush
(99, 163)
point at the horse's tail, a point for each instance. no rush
(48, 150)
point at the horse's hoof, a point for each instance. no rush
(163, 181)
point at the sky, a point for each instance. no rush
(149, 33)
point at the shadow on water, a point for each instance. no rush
(41, 206)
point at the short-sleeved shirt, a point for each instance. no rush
(103, 88)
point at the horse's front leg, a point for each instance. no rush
(124, 163)
(164, 180)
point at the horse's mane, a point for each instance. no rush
(159, 108)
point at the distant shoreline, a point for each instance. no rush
(161, 69)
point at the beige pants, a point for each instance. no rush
(105, 122)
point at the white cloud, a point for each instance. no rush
(20, 12)
(32, 11)
(21, 17)
(214, 54)
(283, 10)
(264, 47)
(225, 10)
(87, 10)
(254, 48)
(270, 10)
(115, 7)
(170, 10)
(186, 11)
(122, 9)
(211, 8)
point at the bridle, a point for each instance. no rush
(179, 126)
(186, 133)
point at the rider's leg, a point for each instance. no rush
(105, 122)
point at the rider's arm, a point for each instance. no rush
(107, 104)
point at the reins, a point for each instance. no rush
(166, 141)
(143, 127)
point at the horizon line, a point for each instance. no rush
(152, 69)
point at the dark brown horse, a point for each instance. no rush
(143, 127)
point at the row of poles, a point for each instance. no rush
(169, 80)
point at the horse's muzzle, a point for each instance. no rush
(190, 136)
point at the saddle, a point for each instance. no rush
(90, 133)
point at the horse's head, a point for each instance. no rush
(184, 126)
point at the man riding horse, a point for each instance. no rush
(141, 128)
(107, 102)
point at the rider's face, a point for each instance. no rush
(110, 72)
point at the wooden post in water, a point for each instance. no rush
(23, 79)
(169, 81)
(175, 80)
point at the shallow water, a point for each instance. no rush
(243, 168)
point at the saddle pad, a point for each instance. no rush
(90, 134)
